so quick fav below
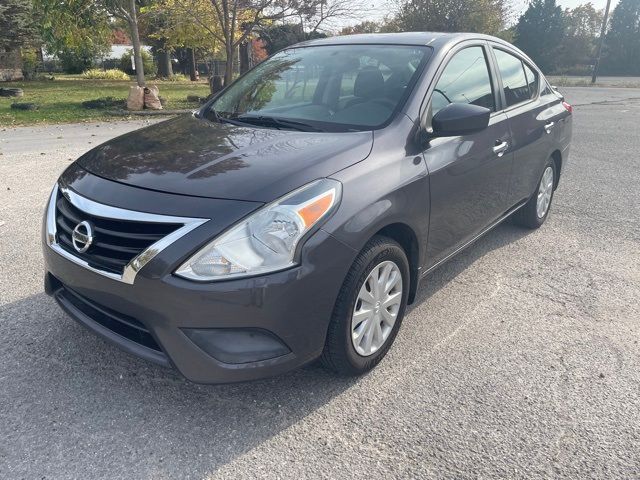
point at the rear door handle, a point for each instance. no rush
(549, 126)
(501, 147)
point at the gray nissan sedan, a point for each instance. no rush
(292, 217)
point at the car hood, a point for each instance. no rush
(191, 156)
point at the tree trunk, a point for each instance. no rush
(135, 39)
(244, 56)
(215, 84)
(191, 55)
(228, 68)
(165, 69)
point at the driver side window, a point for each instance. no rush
(465, 79)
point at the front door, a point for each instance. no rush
(468, 175)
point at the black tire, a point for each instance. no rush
(24, 106)
(527, 216)
(339, 353)
(11, 92)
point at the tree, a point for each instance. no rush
(485, 16)
(234, 22)
(582, 26)
(540, 31)
(320, 16)
(279, 36)
(368, 26)
(622, 53)
(153, 23)
(127, 11)
(75, 31)
(508, 34)
(171, 24)
(85, 26)
(216, 22)
(17, 25)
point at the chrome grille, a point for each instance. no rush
(116, 243)
(122, 242)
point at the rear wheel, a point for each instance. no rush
(369, 309)
(536, 210)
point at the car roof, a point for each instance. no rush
(404, 38)
(436, 40)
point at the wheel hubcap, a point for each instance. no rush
(376, 308)
(545, 190)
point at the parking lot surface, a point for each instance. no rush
(520, 358)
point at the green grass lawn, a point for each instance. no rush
(60, 100)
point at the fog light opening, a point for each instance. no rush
(237, 345)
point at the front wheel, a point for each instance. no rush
(536, 210)
(369, 308)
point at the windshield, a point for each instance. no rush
(324, 88)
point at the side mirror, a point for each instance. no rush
(460, 119)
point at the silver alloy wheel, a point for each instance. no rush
(376, 308)
(545, 190)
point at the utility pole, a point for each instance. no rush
(603, 31)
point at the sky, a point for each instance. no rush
(380, 8)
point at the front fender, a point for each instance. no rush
(390, 187)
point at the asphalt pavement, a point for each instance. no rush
(520, 358)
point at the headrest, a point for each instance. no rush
(369, 84)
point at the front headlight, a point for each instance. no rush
(266, 241)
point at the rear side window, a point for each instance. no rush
(532, 80)
(514, 81)
(465, 79)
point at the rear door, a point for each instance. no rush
(468, 175)
(533, 113)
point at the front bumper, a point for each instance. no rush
(294, 305)
(164, 318)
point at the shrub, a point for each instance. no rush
(104, 102)
(178, 77)
(30, 64)
(76, 60)
(112, 74)
(150, 68)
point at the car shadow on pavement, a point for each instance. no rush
(499, 237)
(75, 406)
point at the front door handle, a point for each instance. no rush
(501, 147)
(549, 126)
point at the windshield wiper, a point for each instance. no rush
(211, 115)
(215, 116)
(276, 122)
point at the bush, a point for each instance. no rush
(178, 77)
(150, 68)
(76, 60)
(30, 64)
(104, 102)
(112, 74)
